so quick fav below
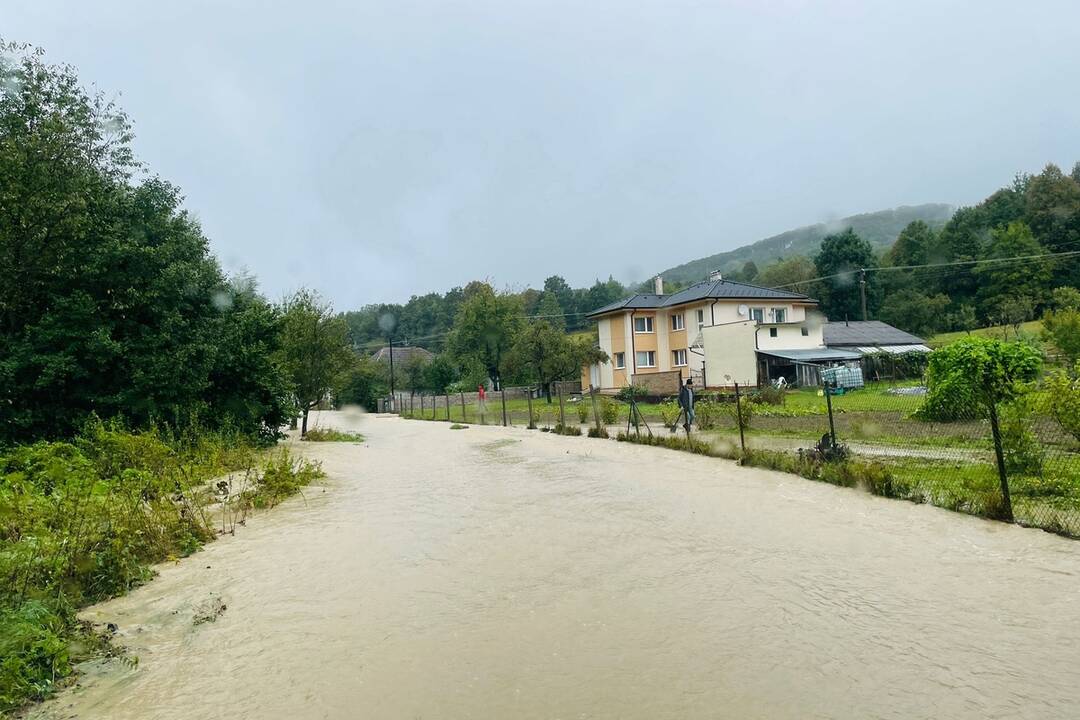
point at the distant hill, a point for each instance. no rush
(879, 228)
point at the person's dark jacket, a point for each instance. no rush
(684, 397)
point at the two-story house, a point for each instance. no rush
(719, 332)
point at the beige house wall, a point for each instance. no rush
(730, 351)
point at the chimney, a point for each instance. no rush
(715, 276)
(658, 285)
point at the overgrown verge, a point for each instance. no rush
(331, 435)
(85, 520)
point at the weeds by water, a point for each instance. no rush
(331, 435)
(85, 520)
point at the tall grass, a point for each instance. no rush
(85, 520)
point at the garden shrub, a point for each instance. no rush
(609, 411)
(583, 410)
(669, 413)
(1022, 450)
(963, 378)
(1061, 400)
(598, 432)
(744, 409)
(770, 395)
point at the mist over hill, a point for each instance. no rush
(879, 228)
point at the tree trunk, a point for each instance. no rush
(292, 422)
(303, 428)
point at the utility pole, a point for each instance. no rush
(862, 291)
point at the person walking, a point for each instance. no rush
(686, 402)
(481, 398)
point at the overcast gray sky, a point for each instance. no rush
(378, 149)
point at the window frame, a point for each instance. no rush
(773, 332)
(615, 357)
(647, 354)
(700, 318)
(757, 314)
(681, 322)
(805, 331)
(675, 358)
(647, 321)
(779, 315)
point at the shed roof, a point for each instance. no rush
(812, 354)
(865, 333)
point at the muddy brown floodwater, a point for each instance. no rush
(502, 573)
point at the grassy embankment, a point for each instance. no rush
(85, 520)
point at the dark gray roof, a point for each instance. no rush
(711, 290)
(402, 354)
(866, 332)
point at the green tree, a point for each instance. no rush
(966, 377)
(839, 262)
(998, 279)
(485, 328)
(542, 353)
(603, 293)
(315, 350)
(1062, 328)
(114, 305)
(550, 311)
(363, 384)
(440, 373)
(1065, 298)
(795, 274)
(915, 312)
(1053, 208)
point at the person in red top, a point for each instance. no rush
(481, 396)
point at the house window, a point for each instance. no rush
(620, 361)
(772, 332)
(646, 358)
(805, 331)
(700, 319)
(643, 324)
(779, 315)
(757, 314)
(678, 358)
(678, 322)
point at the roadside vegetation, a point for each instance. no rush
(332, 435)
(120, 312)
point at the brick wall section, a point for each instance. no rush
(658, 383)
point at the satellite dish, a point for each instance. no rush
(743, 310)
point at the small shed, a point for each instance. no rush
(871, 336)
(801, 367)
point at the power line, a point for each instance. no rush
(954, 263)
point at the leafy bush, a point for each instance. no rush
(631, 392)
(740, 413)
(1061, 400)
(583, 410)
(609, 411)
(670, 412)
(770, 395)
(331, 435)
(707, 412)
(676, 442)
(86, 520)
(963, 378)
(567, 429)
(1022, 450)
(598, 432)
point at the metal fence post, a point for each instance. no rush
(1006, 498)
(447, 407)
(739, 418)
(562, 409)
(502, 391)
(434, 405)
(595, 408)
(464, 418)
(828, 405)
(531, 425)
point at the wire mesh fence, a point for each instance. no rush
(1015, 461)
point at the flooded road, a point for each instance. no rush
(502, 573)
